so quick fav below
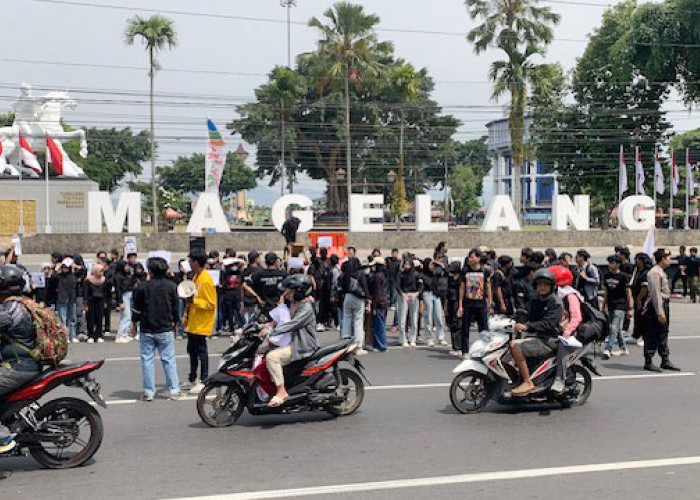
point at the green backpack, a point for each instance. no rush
(51, 336)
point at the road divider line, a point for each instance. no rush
(443, 385)
(438, 481)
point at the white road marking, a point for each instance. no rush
(442, 385)
(478, 477)
(683, 337)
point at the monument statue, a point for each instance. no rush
(35, 118)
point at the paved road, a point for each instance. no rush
(405, 441)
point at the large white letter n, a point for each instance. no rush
(100, 208)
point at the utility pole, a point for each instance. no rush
(288, 4)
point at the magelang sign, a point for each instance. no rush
(366, 213)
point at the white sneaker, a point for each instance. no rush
(405, 344)
(136, 337)
(413, 344)
(90, 341)
(75, 341)
(623, 352)
(238, 331)
(360, 352)
(197, 388)
(122, 340)
(557, 386)
(443, 342)
(320, 328)
(431, 343)
(100, 340)
(640, 342)
(607, 354)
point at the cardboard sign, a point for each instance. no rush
(186, 266)
(325, 241)
(89, 263)
(163, 254)
(38, 280)
(129, 245)
(296, 263)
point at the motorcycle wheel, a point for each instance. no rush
(80, 428)
(469, 392)
(583, 384)
(220, 405)
(351, 381)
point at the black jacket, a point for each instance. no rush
(155, 305)
(65, 287)
(544, 315)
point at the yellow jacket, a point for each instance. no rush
(201, 312)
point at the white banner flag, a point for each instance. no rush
(675, 176)
(658, 174)
(622, 181)
(215, 159)
(640, 185)
(689, 173)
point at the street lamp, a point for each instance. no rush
(288, 4)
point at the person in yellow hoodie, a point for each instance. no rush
(199, 319)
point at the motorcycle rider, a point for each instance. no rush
(17, 338)
(296, 289)
(541, 328)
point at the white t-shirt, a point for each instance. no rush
(281, 315)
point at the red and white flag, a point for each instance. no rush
(658, 173)
(6, 168)
(622, 181)
(640, 185)
(675, 176)
(59, 159)
(27, 156)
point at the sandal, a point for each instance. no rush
(276, 401)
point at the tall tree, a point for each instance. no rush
(187, 174)
(350, 49)
(156, 33)
(521, 29)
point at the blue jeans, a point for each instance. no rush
(66, 311)
(354, 319)
(181, 315)
(616, 318)
(165, 344)
(433, 317)
(408, 312)
(125, 316)
(379, 329)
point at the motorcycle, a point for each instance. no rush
(482, 376)
(313, 383)
(61, 433)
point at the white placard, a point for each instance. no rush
(163, 254)
(186, 266)
(17, 243)
(89, 263)
(129, 245)
(296, 262)
(325, 241)
(215, 275)
(38, 280)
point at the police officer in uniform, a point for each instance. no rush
(656, 314)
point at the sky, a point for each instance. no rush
(226, 47)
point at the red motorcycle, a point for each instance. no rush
(61, 433)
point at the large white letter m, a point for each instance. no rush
(100, 209)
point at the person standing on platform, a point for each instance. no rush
(199, 319)
(656, 314)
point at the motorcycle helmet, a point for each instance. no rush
(544, 274)
(562, 275)
(11, 281)
(297, 282)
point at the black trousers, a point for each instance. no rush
(197, 349)
(656, 334)
(93, 316)
(107, 310)
(470, 314)
(455, 324)
(684, 280)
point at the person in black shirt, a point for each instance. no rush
(617, 302)
(681, 271)
(502, 284)
(474, 296)
(155, 309)
(692, 272)
(265, 282)
(251, 300)
(289, 231)
(639, 288)
(393, 268)
(94, 290)
(454, 283)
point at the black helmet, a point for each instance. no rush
(297, 282)
(544, 274)
(11, 281)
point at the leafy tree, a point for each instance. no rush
(464, 183)
(349, 52)
(112, 154)
(167, 198)
(156, 33)
(7, 119)
(187, 174)
(521, 29)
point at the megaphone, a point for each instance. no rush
(186, 289)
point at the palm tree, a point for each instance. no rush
(405, 85)
(156, 33)
(351, 50)
(521, 29)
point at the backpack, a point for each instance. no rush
(591, 315)
(355, 288)
(51, 336)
